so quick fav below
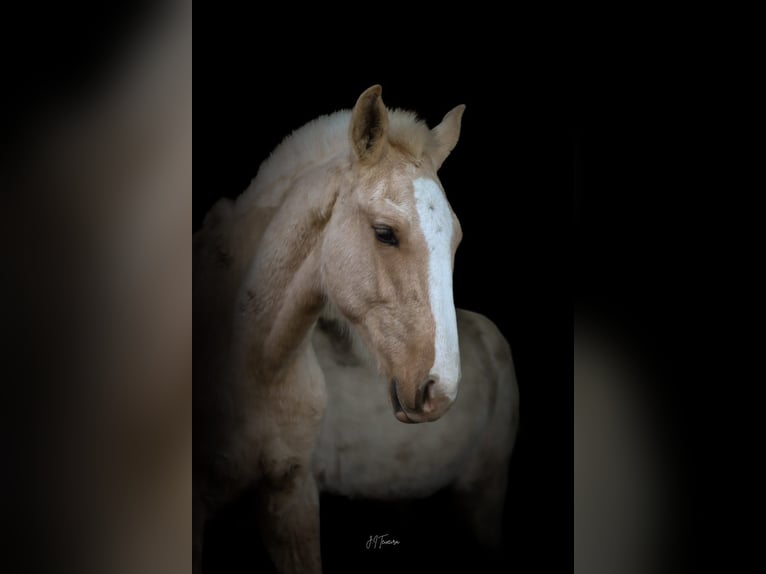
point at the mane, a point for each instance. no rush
(318, 141)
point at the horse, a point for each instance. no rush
(363, 453)
(348, 211)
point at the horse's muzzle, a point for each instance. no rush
(428, 406)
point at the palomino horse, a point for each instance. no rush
(348, 211)
(364, 453)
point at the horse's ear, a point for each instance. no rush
(445, 135)
(369, 126)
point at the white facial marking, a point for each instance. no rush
(436, 223)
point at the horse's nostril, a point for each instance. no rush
(424, 398)
(399, 412)
(427, 395)
(394, 397)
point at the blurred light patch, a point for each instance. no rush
(627, 512)
(99, 238)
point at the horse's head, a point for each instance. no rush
(389, 250)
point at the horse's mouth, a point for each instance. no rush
(399, 411)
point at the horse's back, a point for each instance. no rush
(495, 446)
(496, 352)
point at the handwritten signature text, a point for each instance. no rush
(378, 541)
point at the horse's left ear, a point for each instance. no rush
(445, 135)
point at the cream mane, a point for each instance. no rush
(318, 141)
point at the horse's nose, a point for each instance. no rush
(430, 402)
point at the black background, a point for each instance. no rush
(510, 181)
(629, 130)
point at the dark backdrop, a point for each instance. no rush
(628, 135)
(510, 181)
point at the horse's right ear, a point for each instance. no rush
(446, 135)
(369, 126)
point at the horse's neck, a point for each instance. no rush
(281, 295)
(343, 338)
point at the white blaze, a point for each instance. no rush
(436, 222)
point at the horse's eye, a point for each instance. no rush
(385, 235)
